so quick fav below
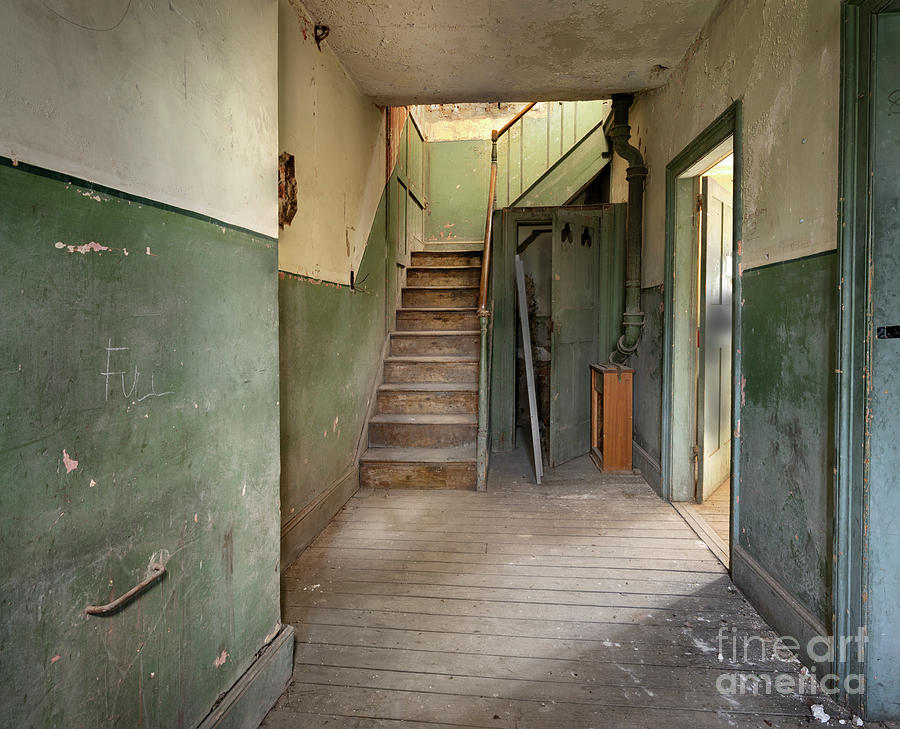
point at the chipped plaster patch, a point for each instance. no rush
(92, 247)
(220, 661)
(70, 463)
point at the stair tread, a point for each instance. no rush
(431, 358)
(426, 418)
(429, 386)
(463, 243)
(438, 308)
(419, 455)
(436, 332)
(440, 288)
(443, 267)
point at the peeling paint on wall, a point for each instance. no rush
(70, 463)
(92, 247)
(287, 189)
(781, 59)
(338, 136)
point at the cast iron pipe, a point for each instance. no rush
(636, 173)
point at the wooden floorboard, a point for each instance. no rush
(586, 602)
(711, 520)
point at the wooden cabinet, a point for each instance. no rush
(611, 418)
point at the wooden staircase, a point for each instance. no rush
(422, 434)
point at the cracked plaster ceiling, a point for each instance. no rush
(407, 51)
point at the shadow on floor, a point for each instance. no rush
(586, 602)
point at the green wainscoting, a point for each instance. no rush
(138, 424)
(331, 347)
(787, 446)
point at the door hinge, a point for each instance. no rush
(700, 203)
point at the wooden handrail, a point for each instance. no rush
(505, 128)
(486, 253)
(484, 312)
(488, 224)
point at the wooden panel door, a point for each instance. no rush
(714, 391)
(575, 312)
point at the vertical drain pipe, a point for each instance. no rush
(636, 173)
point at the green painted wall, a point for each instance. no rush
(181, 465)
(459, 170)
(786, 425)
(544, 135)
(883, 589)
(647, 363)
(331, 342)
(332, 337)
(459, 175)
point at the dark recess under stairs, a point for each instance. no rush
(422, 434)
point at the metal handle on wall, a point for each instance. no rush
(156, 572)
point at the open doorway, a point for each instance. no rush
(534, 246)
(573, 266)
(715, 249)
(699, 379)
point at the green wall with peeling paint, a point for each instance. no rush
(459, 175)
(787, 425)
(647, 363)
(331, 347)
(177, 460)
(459, 170)
(332, 339)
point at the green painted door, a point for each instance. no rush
(575, 313)
(714, 391)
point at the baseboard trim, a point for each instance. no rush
(779, 608)
(247, 702)
(303, 527)
(647, 465)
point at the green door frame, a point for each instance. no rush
(729, 124)
(850, 576)
(503, 292)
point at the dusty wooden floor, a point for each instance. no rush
(712, 520)
(587, 602)
(716, 510)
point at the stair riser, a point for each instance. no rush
(430, 372)
(434, 258)
(417, 475)
(436, 345)
(428, 402)
(440, 299)
(411, 321)
(443, 277)
(453, 245)
(421, 435)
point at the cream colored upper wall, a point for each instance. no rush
(458, 122)
(174, 101)
(782, 57)
(337, 137)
